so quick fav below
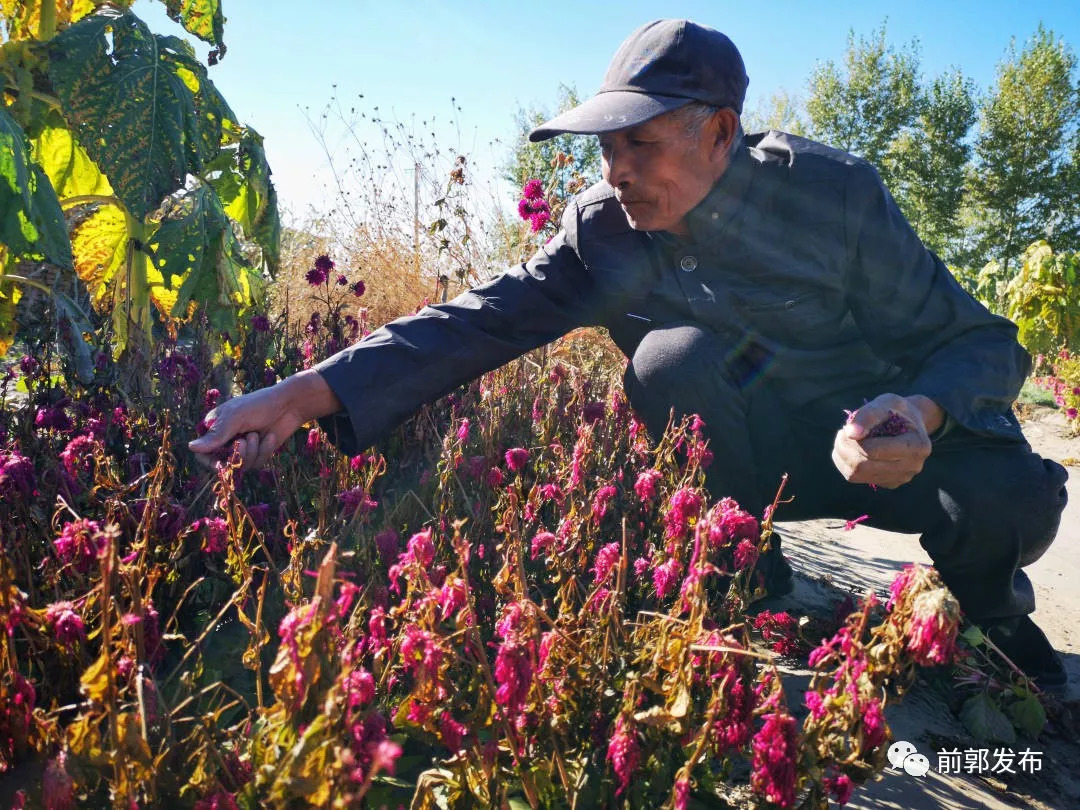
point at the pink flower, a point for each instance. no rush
(839, 787)
(217, 534)
(934, 624)
(16, 475)
(551, 492)
(358, 288)
(452, 597)
(220, 799)
(624, 753)
(513, 676)
(775, 748)
(356, 499)
(516, 459)
(385, 756)
(495, 477)
(542, 543)
(463, 430)
(606, 559)
(79, 543)
(211, 398)
(533, 189)
(360, 688)
(682, 793)
(78, 456)
(58, 788)
(666, 577)
(452, 732)
(746, 554)
(732, 525)
(67, 624)
(603, 497)
(873, 723)
(320, 272)
(815, 704)
(685, 506)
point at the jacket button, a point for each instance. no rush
(688, 263)
(789, 305)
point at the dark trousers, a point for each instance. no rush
(984, 507)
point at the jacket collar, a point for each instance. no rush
(712, 215)
(715, 212)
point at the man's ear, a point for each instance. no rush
(725, 123)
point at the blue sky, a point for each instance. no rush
(411, 58)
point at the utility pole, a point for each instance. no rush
(416, 217)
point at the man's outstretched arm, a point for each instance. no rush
(367, 389)
(262, 420)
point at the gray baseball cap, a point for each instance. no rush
(663, 65)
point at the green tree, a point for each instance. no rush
(541, 160)
(1020, 189)
(930, 161)
(782, 111)
(565, 165)
(863, 107)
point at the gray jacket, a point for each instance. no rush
(798, 253)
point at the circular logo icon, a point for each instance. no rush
(916, 765)
(898, 751)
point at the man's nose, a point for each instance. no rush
(618, 167)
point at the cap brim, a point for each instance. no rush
(607, 112)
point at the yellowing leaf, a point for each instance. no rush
(66, 164)
(9, 297)
(100, 245)
(23, 17)
(95, 680)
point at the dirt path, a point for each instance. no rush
(827, 558)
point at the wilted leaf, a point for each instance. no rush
(197, 244)
(95, 680)
(22, 18)
(203, 18)
(9, 297)
(31, 222)
(241, 177)
(126, 93)
(84, 740)
(985, 720)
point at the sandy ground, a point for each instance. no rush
(827, 559)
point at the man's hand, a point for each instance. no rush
(261, 421)
(889, 460)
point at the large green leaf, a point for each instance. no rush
(140, 104)
(31, 223)
(196, 244)
(241, 178)
(203, 18)
(70, 170)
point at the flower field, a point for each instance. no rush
(517, 600)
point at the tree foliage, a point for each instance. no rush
(864, 107)
(1020, 184)
(930, 159)
(539, 160)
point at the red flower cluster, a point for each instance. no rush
(533, 207)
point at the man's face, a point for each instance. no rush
(660, 172)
